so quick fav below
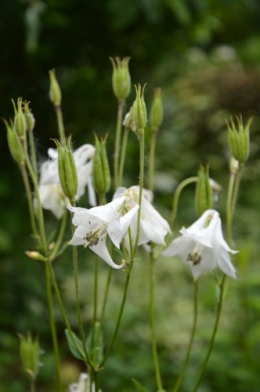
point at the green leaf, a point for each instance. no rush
(138, 386)
(75, 345)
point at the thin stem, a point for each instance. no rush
(60, 123)
(123, 155)
(29, 199)
(176, 197)
(32, 385)
(117, 141)
(141, 183)
(95, 294)
(231, 183)
(53, 327)
(109, 275)
(57, 245)
(33, 153)
(152, 323)
(212, 340)
(151, 159)
(195, 315)
(236, 189)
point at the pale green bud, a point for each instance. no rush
(29, 117)
(30, 355)
(139, 108)
(156, 114)
(238, 137)
(233, 166)
(67, 169)
(100, 168)
(19, 119)
(121, 80)
(55, 91)
(204, 192)
(14, 143)
(34, 255)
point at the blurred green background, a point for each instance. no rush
(205, 55)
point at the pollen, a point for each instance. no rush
(194, 258)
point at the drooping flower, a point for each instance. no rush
(94, 224)
(51, 194)
(153, 227)
(203, 247)
(83, 385)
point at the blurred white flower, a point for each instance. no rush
(153, 227)
(51, 194)
(94, 224)
(203, 247)
(83, 385)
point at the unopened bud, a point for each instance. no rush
(129, 121)
(35, 255)
(30, 355)
(14, 143)
(204, 192)
(233, 166)
(100, 168)
(29, 117)
(156, 115)
(19, 119)
(67, 169)
(121, 80)
(238, 137)
(55, 92)
(139, 108)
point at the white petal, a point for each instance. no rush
(118, 228)
(208, 262)
(52, 198)
(101, 250)
(181, 246)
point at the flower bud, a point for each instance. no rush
(204, 192)
(34, 255)
(55, 92)
(156, 114)
(233, 166)
(129, 121)
(14, 144)
(19, 119)
(29, 117)
(121, 80)
(139, 108)
(67, 169)
(238, 137)
(30, 355)
(100, 168)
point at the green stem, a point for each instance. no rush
(228, 206)
(33, 153)
(53, 327)
(195, 314)
(117, 141)
(60, 123)
(29, 199)
(212, 340)
(95, 294)
(123, 155)
(176, 197)
(32, 385)
(141, 183)
(236, 189)
(151, 159)
(109, 274)
(57, 245)
(152, 323)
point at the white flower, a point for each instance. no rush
(51, 194)
(93, 226)
(83, 385)
(203, 247)
(153, 227)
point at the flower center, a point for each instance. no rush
(94, 236)
(194, 258)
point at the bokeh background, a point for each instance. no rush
(206, 57)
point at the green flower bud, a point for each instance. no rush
(121, 80)
(14, 143)
(238, 137)
(204, 192)
(139, 108)
(100, 168)
(29, 117)
(156, 114)
(67, 169)
(30, 355)
(55, 92)
(19, 119)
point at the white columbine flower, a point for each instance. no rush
(83, 385)
(153, 227)
(94, 224)
(203, 247)
(51, 194)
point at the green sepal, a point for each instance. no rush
(75, 345)
(95, 344)
(238, 137)
(100, 169)
(121, 79)
(14, 144)
(139, 108)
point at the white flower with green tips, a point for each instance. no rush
(203, 247)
